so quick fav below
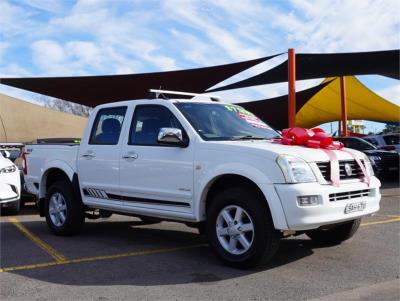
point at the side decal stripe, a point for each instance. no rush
(116, 197)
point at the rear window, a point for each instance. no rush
(391, 139)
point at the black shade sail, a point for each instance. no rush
(96, 90)
(308, 66)
(274, 111)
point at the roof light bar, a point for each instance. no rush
(160, 92)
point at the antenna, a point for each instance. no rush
(162, 92)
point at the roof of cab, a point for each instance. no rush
(157, 101)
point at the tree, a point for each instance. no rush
(391, 127)
(64, 106)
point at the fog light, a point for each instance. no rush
(308, 200)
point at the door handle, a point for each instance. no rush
(130, 156)
(89, 155)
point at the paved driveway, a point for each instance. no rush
(120, 258)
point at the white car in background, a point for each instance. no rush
(10, 184)
(389, 142)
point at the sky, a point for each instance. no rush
(96, 37)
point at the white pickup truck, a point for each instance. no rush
(207, 164)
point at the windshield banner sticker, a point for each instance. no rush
(248, 116)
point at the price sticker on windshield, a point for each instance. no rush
(248, 117)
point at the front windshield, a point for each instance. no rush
(225, 122)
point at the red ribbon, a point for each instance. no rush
(314, 138)
(317, 138)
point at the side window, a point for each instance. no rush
(107, 126)
(147, 122)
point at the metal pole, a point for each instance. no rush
(292, 87)
(345, 132)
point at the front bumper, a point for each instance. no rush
(327, 212)
(8, 194)
(10, 188)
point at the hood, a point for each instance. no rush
(272, 150)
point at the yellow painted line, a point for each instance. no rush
(98, 258)
(40, 243)
(392, 220)
(388, 215)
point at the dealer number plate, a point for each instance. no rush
(360, 206)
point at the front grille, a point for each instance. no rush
(348, 195)
(325, 168)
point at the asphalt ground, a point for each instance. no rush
(121, 258)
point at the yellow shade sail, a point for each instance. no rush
(362, 104)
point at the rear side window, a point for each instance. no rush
(107, 126)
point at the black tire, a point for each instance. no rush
(13, 209)
(336, 234)
(265, 239)
(202, 228)
(75, 216)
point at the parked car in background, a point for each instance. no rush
(16, 156)
(10, 184)
(389, 142)
(384, 163)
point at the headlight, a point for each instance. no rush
(8, 169)
(368, 166)
(295, 170)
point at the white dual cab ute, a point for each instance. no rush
(208, 164)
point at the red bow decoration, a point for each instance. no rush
(314, 138)
(317, 138)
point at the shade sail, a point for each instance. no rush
(308, 66)
(95, 90)
(362, 104)
(274, 110)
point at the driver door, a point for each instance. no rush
(152, 175)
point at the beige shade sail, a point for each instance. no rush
(362, 104)
(21, 121)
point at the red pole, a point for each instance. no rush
(292, 87)
(343, 105)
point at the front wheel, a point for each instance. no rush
(64, 213)
(240, 228)
(336, 234)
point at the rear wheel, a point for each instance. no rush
(240, 228)
(336, 234)
(64, 213)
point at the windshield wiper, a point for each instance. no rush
(248, 137)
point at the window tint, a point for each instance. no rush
(107, 126)
(147, 122)
(391, 139)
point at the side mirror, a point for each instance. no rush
(171, 136)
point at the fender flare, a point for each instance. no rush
(55, 164)
(259, 178)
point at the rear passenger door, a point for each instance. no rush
(155, 176)
(98, 158)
